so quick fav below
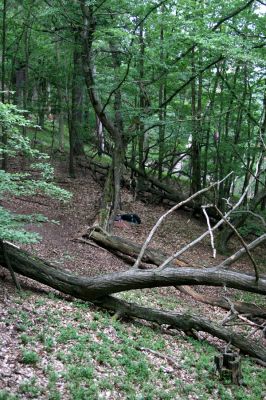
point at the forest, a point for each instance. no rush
(133, 199)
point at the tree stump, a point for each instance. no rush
(229, 364)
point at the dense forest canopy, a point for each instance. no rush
(174, 85)
(164, 97)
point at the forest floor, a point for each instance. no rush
(52, 347)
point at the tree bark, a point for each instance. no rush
(115, 128)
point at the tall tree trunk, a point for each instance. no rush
(100, 136)
(196, 142)
(61, 108)
(162, 110)
(208, 114)
(262, 146)
(116, 128)
(141, 127)
(76, 116)
(3, 71)
(42, 101)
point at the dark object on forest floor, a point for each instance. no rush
(229, 364)
(132, 218)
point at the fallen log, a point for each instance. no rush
(162, 191)
(185, 322)
(97, 289)
(93, 288)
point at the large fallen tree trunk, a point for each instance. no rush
(186, 323)
(97, 288)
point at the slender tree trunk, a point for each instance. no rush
(120, 142)
(208, 113)
(42, 101)
(76, 117)
(100, 136)
(195, 144)
(162, 110)
(262, 145)
(3, 71)
(141, 127)
(61, 109)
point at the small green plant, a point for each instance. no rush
(54, 395)
(30, 357)
(67, 333)
(25, 339)
(30, 388)
(4, 395)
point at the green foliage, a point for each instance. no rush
(30, 357)
(4, 395)
(30, 388)
(23, 184)
(254, 225)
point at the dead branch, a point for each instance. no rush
(197, 240)
(241, 240)
(170, 360)
(162, 218)
(240, 306)
(210, 229)
(234, 257)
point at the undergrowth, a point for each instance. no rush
(76, 351)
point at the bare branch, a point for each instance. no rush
(160, 220)
(210, 228)
(232, 259)
(262, 220)
(241, 240)
(219, 223)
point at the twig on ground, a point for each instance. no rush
(164, 356)
(89, 242)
